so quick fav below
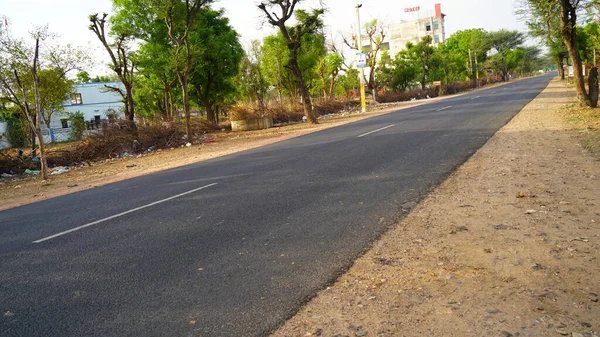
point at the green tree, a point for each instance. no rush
(251, 82)
(214, 71)
(307, 23)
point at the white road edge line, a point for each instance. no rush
(444, 108)
(383, 128)
(121, 214)
(475, 98)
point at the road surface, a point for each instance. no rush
(235, 245)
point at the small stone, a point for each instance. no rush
(586, 324)
(506, 334)
(562, 332)
(17, 187)
(493, 311)
(576, 334)
(361, 333)
(530, 211)
(520, 195)
(594, 298)
(73, 185)
(487, 250)
(8, 314)
(500, 227)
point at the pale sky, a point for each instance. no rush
(68, 18)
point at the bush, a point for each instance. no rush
(78, 125)
(16, 132)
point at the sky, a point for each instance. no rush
(69, 18)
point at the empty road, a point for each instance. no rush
(233, 246)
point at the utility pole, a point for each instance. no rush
(476, 71)
(362, 70)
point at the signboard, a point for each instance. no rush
(437, 83)
(361, 60)
(412, 9)
(571, 71)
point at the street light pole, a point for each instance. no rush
(362, 70)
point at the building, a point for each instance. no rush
(424, 23)
(94, 100)
(427, 23)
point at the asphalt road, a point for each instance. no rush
(233, 246)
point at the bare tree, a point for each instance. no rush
(16, 61)
(121, 62)
(375, 32)
(307, 23)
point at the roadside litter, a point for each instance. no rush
(32, 172)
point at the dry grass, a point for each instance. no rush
(588, 120)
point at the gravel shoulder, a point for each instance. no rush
(507, 246)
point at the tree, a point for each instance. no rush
(543, 21)
(213, 73)
(251, 82)
(329, 68)
(503, 41)
(180, 17)
(19, 61)
(375, 32)
(307, 23)
(122, 64)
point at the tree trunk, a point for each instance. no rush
(186, 108)
(306, 101)
(593, 87)
(568, 31)
(332, 88)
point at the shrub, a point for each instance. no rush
(16, 132)
(78, 125)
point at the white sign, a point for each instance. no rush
(361, 60)
(571, 71)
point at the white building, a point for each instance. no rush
(427, 23)
(94, 100)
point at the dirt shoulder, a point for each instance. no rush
(507, 246)
(25, 191)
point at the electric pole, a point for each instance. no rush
(362, 69)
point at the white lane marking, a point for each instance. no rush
(475, 98)
(121, 214)
(444, 108)
(493, 92)
(383, 128)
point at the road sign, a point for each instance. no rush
(361, 60)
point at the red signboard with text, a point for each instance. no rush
(412, 9)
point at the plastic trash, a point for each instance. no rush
(35, 159)
(61, 170)
(32, 172)
(304, 119)
(188, 144)
(208, 141)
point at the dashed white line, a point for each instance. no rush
(383, 128)
(121, 214)
(444, 108)
(475, 98)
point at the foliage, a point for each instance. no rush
(214, 71)
(308, 24)
(77, 120)
(16, 131)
